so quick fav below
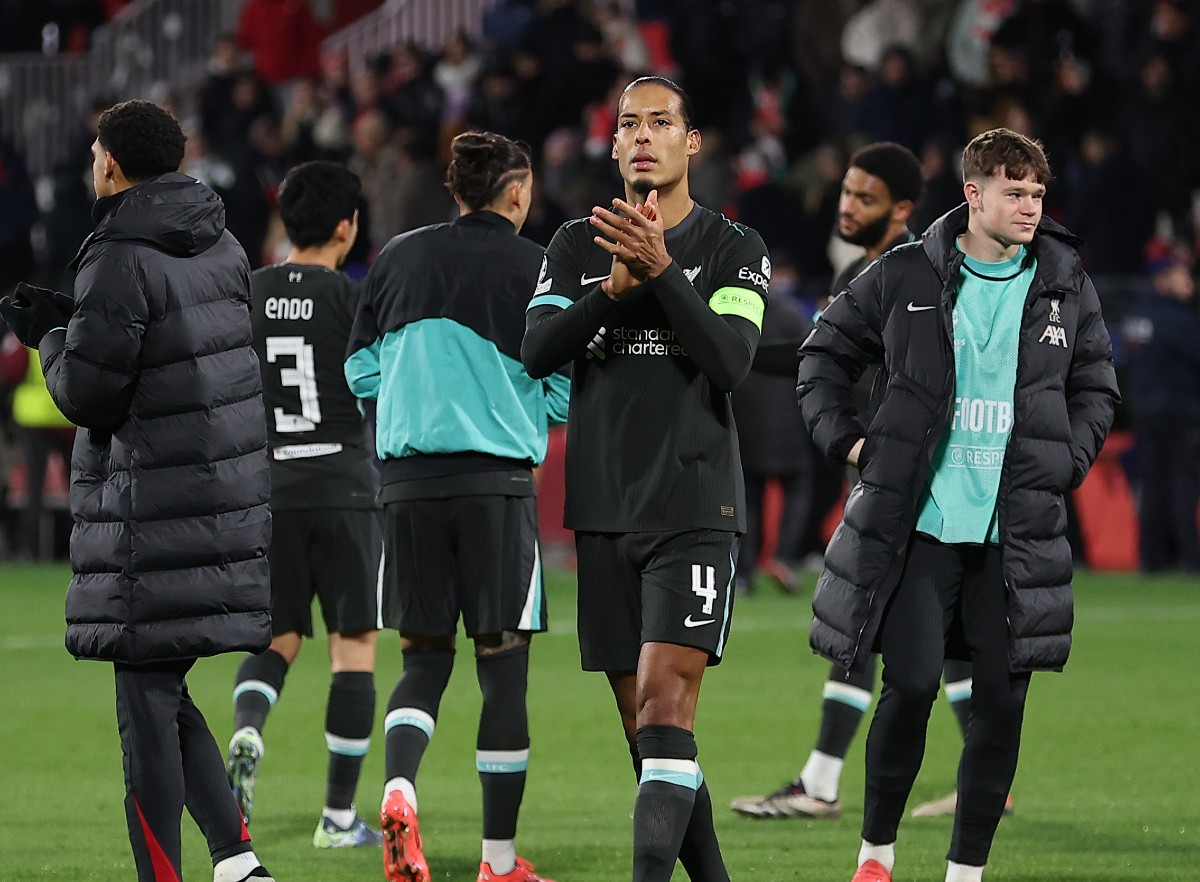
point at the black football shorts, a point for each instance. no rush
(474, 556)
(669, 587)
(332, 554)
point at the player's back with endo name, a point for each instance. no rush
(320, 449)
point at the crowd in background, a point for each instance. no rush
(784, 90)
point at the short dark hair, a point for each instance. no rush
(895, 165)
(314, 198)
(144, 139)
(1005, 149)
(685, 101)
(483, 164)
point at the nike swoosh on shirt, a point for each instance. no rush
(912, 307)
(584, 280)
(689, 622)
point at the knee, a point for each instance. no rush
(664, 701)
(1001, 707)
(915, 687)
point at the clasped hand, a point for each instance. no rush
(32, 313)
(633, 235)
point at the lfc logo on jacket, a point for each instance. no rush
(1054, 334)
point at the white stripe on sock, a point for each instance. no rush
(409, 716)
(265, 689)
(848, 695)
(347, 746)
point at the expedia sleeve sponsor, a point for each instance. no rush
(746, 266)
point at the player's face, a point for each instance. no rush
(1004, 209)
(102, 170)
(652, 143)
(864, 208)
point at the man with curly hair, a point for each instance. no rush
(152, 359)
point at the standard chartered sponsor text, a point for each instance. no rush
(645, 341)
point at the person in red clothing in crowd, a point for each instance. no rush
(283, 36)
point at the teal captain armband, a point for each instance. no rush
(550, 300)
(740, 302)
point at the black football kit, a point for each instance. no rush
(651, 442)
(327, 533)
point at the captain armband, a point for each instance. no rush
(740, 302)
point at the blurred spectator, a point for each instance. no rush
(562, 56)
(1162, 336)
(1113, 231)
(1043, 33)
(846, 114)
(258, 167)
(43, 432)
(970, 38)
(312, 127)
(819, 180)
(225, 64)
(455, 74)
(18, 213)
(413, 101)
(622, 40)
(1160, 122)
(504, 25)
(772, 437)
(423, 197)
(207, 167)
(1174, 35)
(375, 162)
(228, 129)
(1072, 103)
(283, 36)
(897, 106)
(877, 27)
(943, 184)
(497, 103)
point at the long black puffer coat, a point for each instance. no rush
(898, 313)
(169, 476)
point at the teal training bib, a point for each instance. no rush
(959, 503)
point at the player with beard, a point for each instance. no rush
(658, 305)
(880, 190)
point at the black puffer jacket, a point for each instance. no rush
(1063, 406)
(169, 477)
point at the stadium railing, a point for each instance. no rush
(428, 23)
(152, 48)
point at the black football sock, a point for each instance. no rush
(700, 853)
(845, 700)
(256, 689)
(349, 717)
(412, 711)
(666, 798)
(502, 750)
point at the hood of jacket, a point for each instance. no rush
(1055, 247)
(172, 213)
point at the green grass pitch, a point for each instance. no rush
(1108, 788)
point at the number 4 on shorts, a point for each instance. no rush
(705, 588)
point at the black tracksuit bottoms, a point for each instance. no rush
(171, 759)
(945, 591)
